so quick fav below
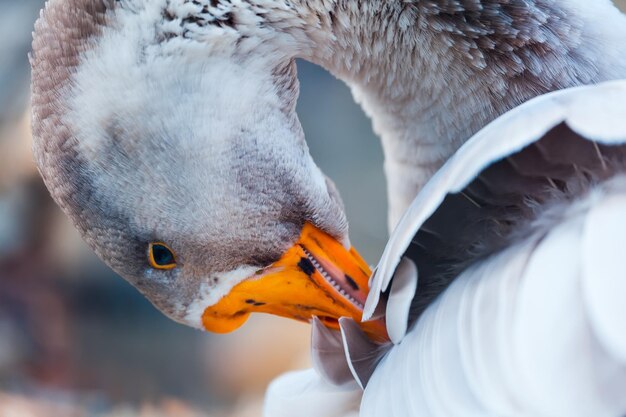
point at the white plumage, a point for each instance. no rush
(533, 329)
(536, 329)
(513, 336)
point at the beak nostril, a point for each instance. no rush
(352, 282)
(255, 303)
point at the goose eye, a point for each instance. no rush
(161, 256)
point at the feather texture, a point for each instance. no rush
(510, 337)
(604, 272)
(518, 241)
(542, 127)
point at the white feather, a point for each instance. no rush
(487, 314)
(520, 127)
(306, 394)
(604, 273)
(510, 337)
(537, 328)
(403, 289)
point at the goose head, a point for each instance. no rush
(180, 159)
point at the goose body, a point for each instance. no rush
(167, 132)
(533, 323)
(534, 328)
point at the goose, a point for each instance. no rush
(166, 130)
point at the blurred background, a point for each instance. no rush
(77, 340)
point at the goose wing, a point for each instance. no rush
(518, 243)
(595, 112)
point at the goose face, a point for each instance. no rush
(191, 178)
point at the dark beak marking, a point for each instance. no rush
(306, 266)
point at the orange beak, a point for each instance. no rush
(316, 277)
